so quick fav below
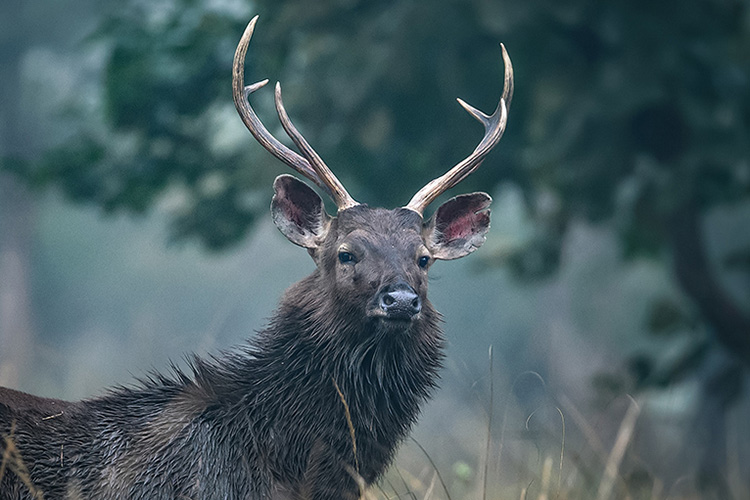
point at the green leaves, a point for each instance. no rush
(622, 111)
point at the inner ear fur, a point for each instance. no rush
(299, 212)
(458, 227)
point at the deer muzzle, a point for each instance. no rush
(398, 302)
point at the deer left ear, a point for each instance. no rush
(298, 212)
(458, 227)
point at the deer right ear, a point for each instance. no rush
(298, 212)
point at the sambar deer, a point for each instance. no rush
(316, 404)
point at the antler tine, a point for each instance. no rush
(241, 95)
(508, 78)
(338, 192)
(494, 127)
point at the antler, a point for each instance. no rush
(494, 126)
(311, 165)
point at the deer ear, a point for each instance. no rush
(298, 212)
(458, 227)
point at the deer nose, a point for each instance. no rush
(400, 301)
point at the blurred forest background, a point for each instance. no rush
(614, 288)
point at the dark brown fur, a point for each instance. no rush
(266, 420)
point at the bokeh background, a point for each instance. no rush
(599, 342)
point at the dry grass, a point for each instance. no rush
(13, 462)
(543, 473)
(546, 483)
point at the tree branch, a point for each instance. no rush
(731, 326)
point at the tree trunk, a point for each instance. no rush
(729, 324)
(721, 375)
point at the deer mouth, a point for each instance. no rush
(391, 317)
(400, 317)
(393, 320)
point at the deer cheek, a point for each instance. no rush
(348, 281)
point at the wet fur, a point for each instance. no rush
(263, 421)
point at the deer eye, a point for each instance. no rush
(345, 257)
(423, 261)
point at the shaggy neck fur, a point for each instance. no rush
(290, 374)
(264, 422)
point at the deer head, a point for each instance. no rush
(377, 259)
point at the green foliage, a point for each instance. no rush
(625, 110)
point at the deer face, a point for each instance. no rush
(376, 260)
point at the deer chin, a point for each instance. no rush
(394, 328)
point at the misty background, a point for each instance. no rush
(606, 320)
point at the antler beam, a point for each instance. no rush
(310, 165)
(494, 127)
